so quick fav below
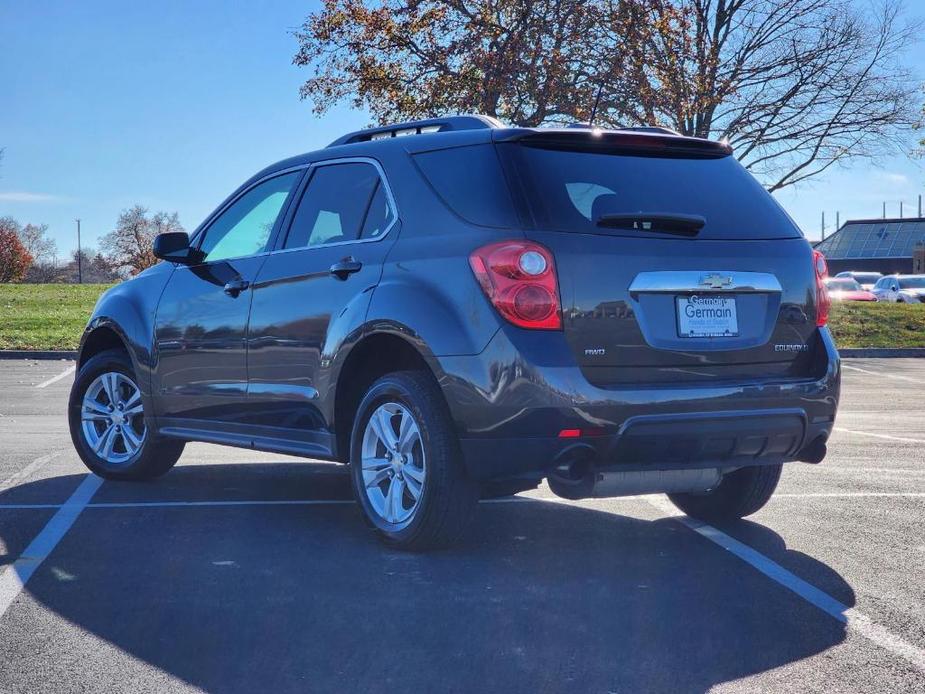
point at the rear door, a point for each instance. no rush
(652, 301)
(200, 374)
(311, 294)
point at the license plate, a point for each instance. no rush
(707, 316)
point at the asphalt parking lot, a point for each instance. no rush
(248, 572)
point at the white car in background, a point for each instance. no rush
(904, 289)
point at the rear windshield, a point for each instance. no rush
(571, 190)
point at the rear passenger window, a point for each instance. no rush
(339, 204)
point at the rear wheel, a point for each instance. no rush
(406, 465)
(108, 425)
(739, 494)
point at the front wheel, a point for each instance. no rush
(108, 425)
(406, 465)
(739, 494)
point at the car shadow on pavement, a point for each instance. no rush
(543, 597)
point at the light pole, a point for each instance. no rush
(80, 278)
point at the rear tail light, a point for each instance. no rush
(823, 300)
(519, 278)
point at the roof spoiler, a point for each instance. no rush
(652, 140)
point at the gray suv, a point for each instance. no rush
(457, 309)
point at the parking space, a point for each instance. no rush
(243, 571)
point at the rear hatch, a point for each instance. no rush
(674, 264)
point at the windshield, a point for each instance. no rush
(577, 190)
(842, 285)
(912, 282)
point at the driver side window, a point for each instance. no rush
(244, 227)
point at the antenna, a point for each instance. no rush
(597, 100)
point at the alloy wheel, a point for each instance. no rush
(393, 463)
(112, 418)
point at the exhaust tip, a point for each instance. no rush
(815, 452)
(573, 476)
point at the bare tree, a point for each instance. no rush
(796, 86)
(43, 251)
(95, 268)
(128, 248)
(35, 238)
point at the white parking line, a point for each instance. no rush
(27, 471)
(54, 379)
(349, 502)
(268, 502)
(849, 616)
(888, 437)
(14, 579)
(27, 507)
(895, 377)
(840, 495)
(878, 470)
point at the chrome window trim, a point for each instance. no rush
(343, 160)
(683, 281)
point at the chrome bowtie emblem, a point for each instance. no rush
(716, 281)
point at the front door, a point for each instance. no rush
(200, 374)
(311, 293)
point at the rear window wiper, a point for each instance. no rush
(664, 222)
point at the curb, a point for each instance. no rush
(881, 353)
(37, 354)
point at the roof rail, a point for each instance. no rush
(418, 127)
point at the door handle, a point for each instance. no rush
(345, 267)
(235, 287)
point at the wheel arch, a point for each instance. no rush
(98, 337)
(377, 353)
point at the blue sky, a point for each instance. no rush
(172, 104)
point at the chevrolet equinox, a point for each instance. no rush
(460, 310)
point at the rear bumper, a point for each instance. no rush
(509, 409)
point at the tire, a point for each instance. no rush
(739, 494)
(428, 461)
(123, 446)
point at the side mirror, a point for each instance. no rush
(174, 247)
(894, 288)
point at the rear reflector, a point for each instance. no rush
(570, 433)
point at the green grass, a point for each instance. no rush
(45, 316)
(52, 316)
(862, 324)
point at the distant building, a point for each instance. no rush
(880, 245)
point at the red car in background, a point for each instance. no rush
(847, 289)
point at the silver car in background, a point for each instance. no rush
(904, 289)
